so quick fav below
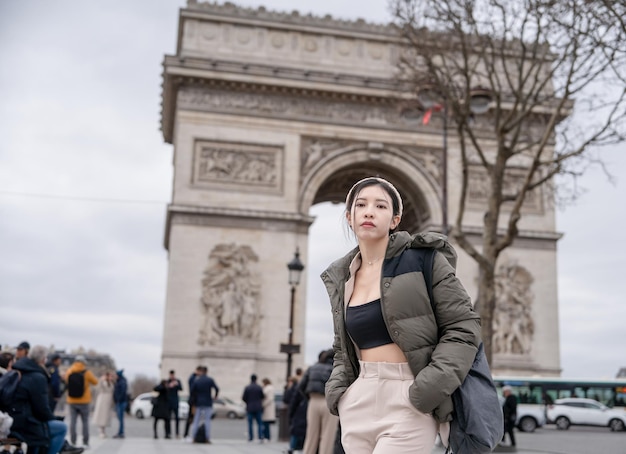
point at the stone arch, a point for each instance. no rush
(331, 178)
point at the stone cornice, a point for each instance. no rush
(232, 217)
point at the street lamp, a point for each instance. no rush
(431, 101)
(295, 267)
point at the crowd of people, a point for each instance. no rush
(32, 401)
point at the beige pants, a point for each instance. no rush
(321, 427)
(377, 417)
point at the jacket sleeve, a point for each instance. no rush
(459, 331)
(91, 378)
(337, 383)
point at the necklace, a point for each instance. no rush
(371, 262)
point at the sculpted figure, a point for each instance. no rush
(513, 325)
(230, 293)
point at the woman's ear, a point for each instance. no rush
(349, 219)
(395, 221)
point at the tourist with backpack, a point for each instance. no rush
(33, 422)
(396, 362)
(78, 380)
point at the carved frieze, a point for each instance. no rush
(514, 327)
(291, 106)
(230, 296)
(239, 166)
(479, 189)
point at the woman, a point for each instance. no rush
(394, 366)
(269, 408)
(103, 411)
(161, 409)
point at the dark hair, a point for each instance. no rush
(253, 377)
(5, 359)
(172, 371)
(396, 203)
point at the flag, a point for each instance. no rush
(429, 113)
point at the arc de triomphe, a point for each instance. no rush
(270, 113)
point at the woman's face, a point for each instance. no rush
(371, 215)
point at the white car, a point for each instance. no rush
(142, 406)
(585, 412)
(529, 416)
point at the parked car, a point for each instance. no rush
(142, 406)
(225, 407)
(585, 412)
(529, 416)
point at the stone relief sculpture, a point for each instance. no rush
(223, 163)
(314, 150)
(514, 327)
(230, 292)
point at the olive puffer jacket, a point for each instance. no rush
(439, 356)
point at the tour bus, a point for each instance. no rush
(533, 394)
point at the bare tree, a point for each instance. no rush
(554, 72)
(142, 384)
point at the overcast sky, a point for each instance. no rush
(85, 178)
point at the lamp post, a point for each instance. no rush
(479, 101)
(295, 267)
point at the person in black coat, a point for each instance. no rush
(297, 419)
(161, 409)
(509, 410)
(33, 422)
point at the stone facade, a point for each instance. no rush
(269, 114)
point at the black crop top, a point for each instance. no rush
(366, 326)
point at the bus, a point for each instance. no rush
(534, 393)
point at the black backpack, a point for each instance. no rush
(8, 386)
(76, 384)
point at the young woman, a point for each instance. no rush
(396, 363)
(269, 408)
(103, 412)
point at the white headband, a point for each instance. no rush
(383, 182)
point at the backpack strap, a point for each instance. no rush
(429, 260)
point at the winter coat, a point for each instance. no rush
(202, 391)
(160, 406)
(173, 387)
(120, 391)
(509, 409)
(55, 381)
(30, 410)
(103, 411)
(269, 405)
(253, 397)
(440, 350)
(316, 376)
(297, 414)
(90, 379)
